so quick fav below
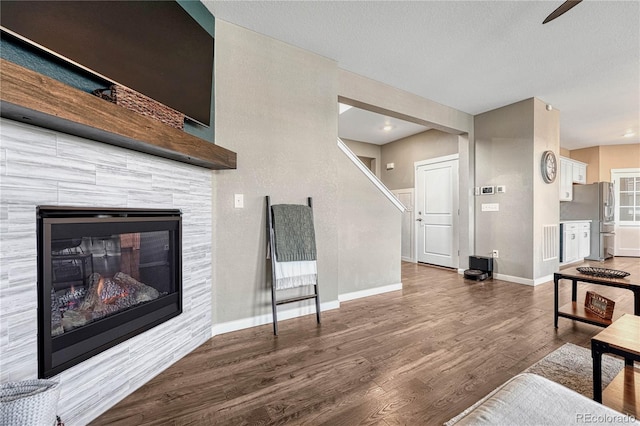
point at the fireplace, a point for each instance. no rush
(104, 276)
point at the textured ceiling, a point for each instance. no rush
(476, 56)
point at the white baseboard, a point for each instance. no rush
(283, 314)
(369, 292)
(543, 280)
(566, 264)
(520, 280)
(512, 279)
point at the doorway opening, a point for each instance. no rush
(397, 142)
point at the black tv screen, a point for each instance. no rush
(153, 47)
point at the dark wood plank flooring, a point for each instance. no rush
(416, 356)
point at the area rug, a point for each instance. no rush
(572, 366)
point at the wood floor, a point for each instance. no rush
(413, 357)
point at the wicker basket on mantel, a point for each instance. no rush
(141, 104)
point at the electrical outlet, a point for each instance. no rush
(495, 254)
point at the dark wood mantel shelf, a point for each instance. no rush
(33, 98)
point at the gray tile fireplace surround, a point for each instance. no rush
(43, 167)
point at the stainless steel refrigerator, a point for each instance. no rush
(595, 202)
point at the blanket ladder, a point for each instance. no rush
(274, 301)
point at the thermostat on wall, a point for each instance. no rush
(486, 190)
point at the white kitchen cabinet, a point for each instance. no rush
(571, 243)
(576, 241)
(584, 236)
(579, 172)
(571, 171)
(566, 179)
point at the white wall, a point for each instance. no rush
(378, 97)
(367, 150)
(276, 106)
(546, 210)
(368, 253)
(406, 151)
(509, 145)
(504, 147)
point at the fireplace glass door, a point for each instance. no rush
(105, 275)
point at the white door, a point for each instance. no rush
(436, 212)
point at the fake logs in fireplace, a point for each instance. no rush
(74, 308)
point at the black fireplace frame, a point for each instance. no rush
(58, 353)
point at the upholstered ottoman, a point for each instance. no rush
(529, 399)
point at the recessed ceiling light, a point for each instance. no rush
(387, 127)
(629, 134)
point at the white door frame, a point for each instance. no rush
(456, 221)
(632, 231)
(412, 218)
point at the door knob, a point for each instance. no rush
(419, 219)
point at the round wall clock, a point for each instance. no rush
(549, 166)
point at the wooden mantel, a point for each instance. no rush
(33, 98)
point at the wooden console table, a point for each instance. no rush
(620, 338)
(575, 309)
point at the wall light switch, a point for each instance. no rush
(390, 166)
(501, 189)
(238, 201)
(490, 207)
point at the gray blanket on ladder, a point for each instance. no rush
(294, 233)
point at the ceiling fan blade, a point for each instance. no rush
(564, 7)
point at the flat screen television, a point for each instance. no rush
(153, 47)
